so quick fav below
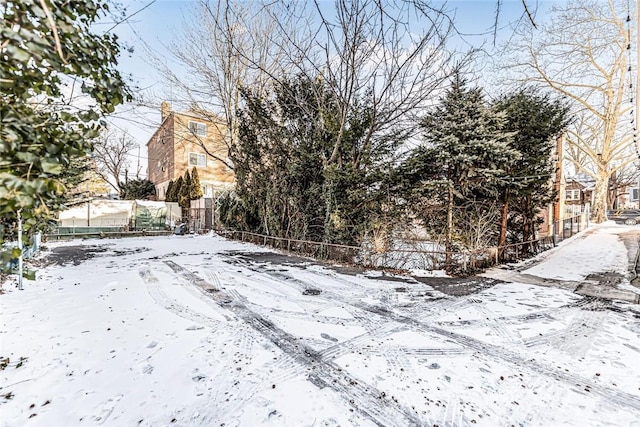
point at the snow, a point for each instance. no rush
(199, 331)
(600, 252)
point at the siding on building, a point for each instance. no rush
(181, 136)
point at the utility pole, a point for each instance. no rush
(138, 164)
(557, 205)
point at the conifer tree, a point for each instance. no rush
(168, 196)
(536, 120)
(185, 189)
(286, 185)
(177, 189)
(138, 189)
(195, 190)
(466, 149)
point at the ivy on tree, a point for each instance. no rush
(49, 56)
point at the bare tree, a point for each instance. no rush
(390, 53)
(111, 156)
(581, 53)
(620, 182)
(223, 47)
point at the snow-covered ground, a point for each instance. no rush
(597, 250)
(199, 331)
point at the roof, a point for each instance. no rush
(583, 179)
(190, 114)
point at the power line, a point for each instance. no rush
(126, 18)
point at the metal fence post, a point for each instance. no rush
(20, 265)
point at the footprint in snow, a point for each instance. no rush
(106, 409)
(328, 337)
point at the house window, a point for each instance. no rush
(573, 195)
(196, 159)
(199, 129)
(634, 194)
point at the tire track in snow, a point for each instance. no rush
(349, 346)
(157, 293)
(424, 351)
(230, 391)
(577, 337)
(525, 363)
(363, 398)
(497, 325)
(521, 360)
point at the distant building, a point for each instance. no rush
(553, 214)
(90, 186)
(579, 190)
(621, 195)
(184, 140)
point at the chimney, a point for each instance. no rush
(165, 110)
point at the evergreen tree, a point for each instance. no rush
(466, 150)
(74, 177)
(169, 194)
(286, 185)
(177, 189)
(536, 120)
(195, 190)
(138, 189)
(184, 199)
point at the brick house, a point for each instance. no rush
(579, 190)
(184, 140)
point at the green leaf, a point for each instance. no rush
(51, 167)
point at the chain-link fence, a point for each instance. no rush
(402, 255)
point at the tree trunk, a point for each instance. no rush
(599, 199)
(534, 228)
(502, 238)
(447, 244)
